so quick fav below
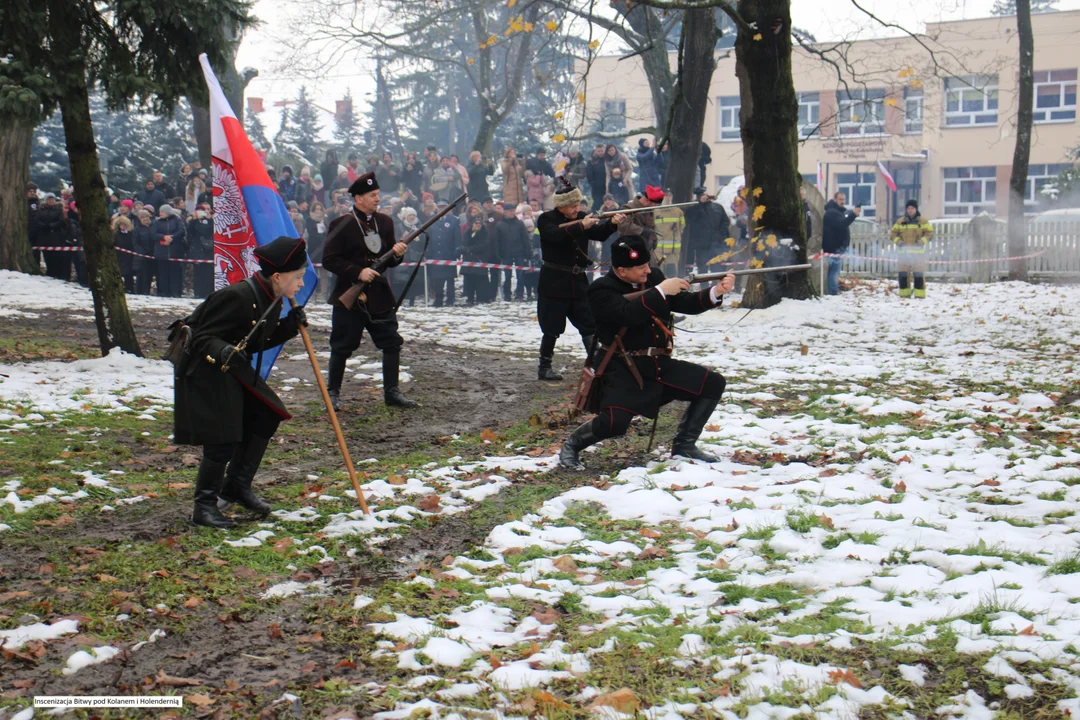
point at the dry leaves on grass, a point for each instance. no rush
(844, 676)
(169, 681)
(623, 700)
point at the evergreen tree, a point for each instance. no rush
(346, 128)
(256, 131)
(303, 131)
(1008, 7)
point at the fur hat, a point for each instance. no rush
(568, 197)
(364, 184)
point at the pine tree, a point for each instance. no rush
(303, 131)
(1008, 7)
(346, 128)
(256, 131)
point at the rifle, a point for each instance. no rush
(355, 295)
(242, 345)
(608, 214)
(709, 277)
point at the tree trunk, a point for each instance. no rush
(103, 272)
(697, 61)
(769, 120)
(201, 120)
(1022, 152)
(654, 55)
(15, 253)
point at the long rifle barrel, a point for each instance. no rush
(608, 214)
(708, 277)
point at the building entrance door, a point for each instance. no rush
(908, 185)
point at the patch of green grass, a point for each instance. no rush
(982, 548)
(760, 532)
(862, 538)
(803, 522)
(1065, 566)
(1056, 496)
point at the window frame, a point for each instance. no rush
(986, 86)
(1062, 96)
(916, 97)
(984, 175)
(606, 113)
(730, 111)
(870, 98)
(848, 187)
(812, 126)
(1036, 172)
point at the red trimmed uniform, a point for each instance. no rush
(648, 321)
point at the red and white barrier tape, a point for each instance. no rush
(929, 262)
(78, 248)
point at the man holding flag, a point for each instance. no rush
(222, 401)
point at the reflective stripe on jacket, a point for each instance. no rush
(912, 234)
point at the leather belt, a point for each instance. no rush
(572, 269)
(647, 352)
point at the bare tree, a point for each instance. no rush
(1022, 152)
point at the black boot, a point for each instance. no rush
(690, 427)
(580, 439)
(335, 377)
(391, 363)
(587, 341)
(207, 484)
(547, 352)
(245, 463)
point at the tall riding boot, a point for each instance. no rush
(391, 363)
(587, 341)
(690, 427)
(335, 377)
(245, 463)
(580, 439)
(207, 484)
(547, 352)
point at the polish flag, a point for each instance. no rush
(248, 212)
(888, 177)
(820, 178)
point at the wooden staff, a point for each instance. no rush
(334, 420)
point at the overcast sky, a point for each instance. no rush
(825, 19)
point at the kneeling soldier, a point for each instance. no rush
(221, 400)
(646, 377)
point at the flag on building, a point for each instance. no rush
(887, 176)
(248, 212)
(820, 178)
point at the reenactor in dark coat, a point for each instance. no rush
(562, 291)
(200, 239)
(646, 376)
(445, 245)
(222, 401)
(354, 242)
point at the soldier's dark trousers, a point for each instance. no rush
(444, 288)
(613, 421)
(552, 314)
(346, 332)
(259, 421)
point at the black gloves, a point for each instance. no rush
(299, 315)
(234, 359)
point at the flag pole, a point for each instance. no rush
(334, 420)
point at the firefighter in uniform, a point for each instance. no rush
(354, 242)
(646, 376)
(912, 233)
(221, 399)
(562, 287)
(644, 224)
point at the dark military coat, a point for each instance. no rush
(209, 403)
(643, 317)
(346, 254)
(567, 247)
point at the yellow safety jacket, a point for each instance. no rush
(912, 234)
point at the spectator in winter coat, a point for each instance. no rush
(165, 188)
(707, 228)
(431, 164)
(446, 182)
(618, 188)
(151, 195)
(302, 192)
(315, 234)
(539, 164)
(575, 168)
(353, 170)
(534, 187)
(200, 242)
(512, 242)
(596, 176)
(124, 239)
(836, 237)
(388, 175)
(53, 231)
(170, 241)
(412, 175)
(476, 247)
(192, 190)
(329, 167)
(318, 193)
(341, 181)
(287, 184)
(143, 242)
(663, 158)
(615, 158)
(648, 173)
(445, 245)
(512, 172)
(704, 159)
(479, 169)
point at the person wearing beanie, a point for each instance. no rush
(646, 377)
(354, 242)
(648, 164)
(221, 400)
(912, 233)
(561, 294)
(643, 224)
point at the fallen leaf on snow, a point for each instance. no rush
(566, 564)
(623, 700)
(844, 676)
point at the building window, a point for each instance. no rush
(970, 190)
(861, 112)
(1055, 96)
(809, 114)
(913, 109)
(971, 100)
(860, 189)
(729, 117)
(722, 180)
(1039, 176)
(613, 114)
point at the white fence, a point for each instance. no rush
(960, 252)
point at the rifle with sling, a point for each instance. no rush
(354, 297)
(608, 214)
(709, 277)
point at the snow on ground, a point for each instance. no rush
(894, 474)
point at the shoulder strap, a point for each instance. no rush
(616, 344)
